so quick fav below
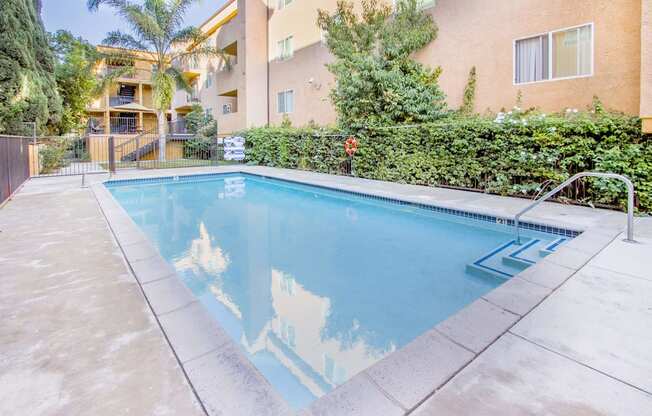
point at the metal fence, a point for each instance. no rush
(14, 164)
(70, 155)
(75, 155)
(22, 157)
(124, 125)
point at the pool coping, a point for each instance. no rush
(225, 380)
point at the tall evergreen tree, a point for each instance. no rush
(28, 90)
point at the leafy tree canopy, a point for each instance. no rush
(378, 82)
(197, 118)
(76, 80)
(28, 90)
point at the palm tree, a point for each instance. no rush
(157, 29)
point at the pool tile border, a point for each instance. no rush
(365, 195)
(376, 390)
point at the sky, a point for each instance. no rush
(73, 15)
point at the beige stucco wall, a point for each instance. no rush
(646, 65)
(233, 79)
(481, 33)
(305, 73)
(253, 97)
(471, 33)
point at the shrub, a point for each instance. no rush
(509, 155)
(52, 155)
(377, 79)
(319, 150)
(197, 118)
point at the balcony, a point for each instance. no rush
(189, 69)
(184, 101)
(136, 74)
(117, 100)
(119, 125)
(125, 125)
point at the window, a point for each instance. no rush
(556, 55)
(282, 4)
(421, 4)
(288, 284)
(288, 333)
(286, 102)
(285, 50)
(226, 109)
(209, 80)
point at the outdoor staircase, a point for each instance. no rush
(147, 142)
(140, 152)
(510, 258)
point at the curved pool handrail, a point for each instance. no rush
(624, 179)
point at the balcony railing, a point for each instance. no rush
(121, 100)
(135, 73)
(130, 125)
(124, 125)
(110, 69)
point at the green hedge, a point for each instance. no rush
(512, 155)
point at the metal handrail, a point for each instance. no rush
(542, 188)
(171, 126)
(630, 200)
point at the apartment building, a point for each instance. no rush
(234, 90)
(126, 107)
(555, 55)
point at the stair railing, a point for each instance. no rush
(624, 179)
(134, 139)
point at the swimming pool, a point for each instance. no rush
(315, 284)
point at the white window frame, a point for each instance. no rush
(208, 82)
(550, 55)
(227, 108)
(280, 56)
(282, 4)
(422, 4)
(278, 107)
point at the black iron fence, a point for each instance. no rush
(22, 157)
(76, 155)
(70, 155)
(14, 164)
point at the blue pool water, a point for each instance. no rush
(315, 285)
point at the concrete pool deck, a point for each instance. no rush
(569, 336)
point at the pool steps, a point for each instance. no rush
(510, 258)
